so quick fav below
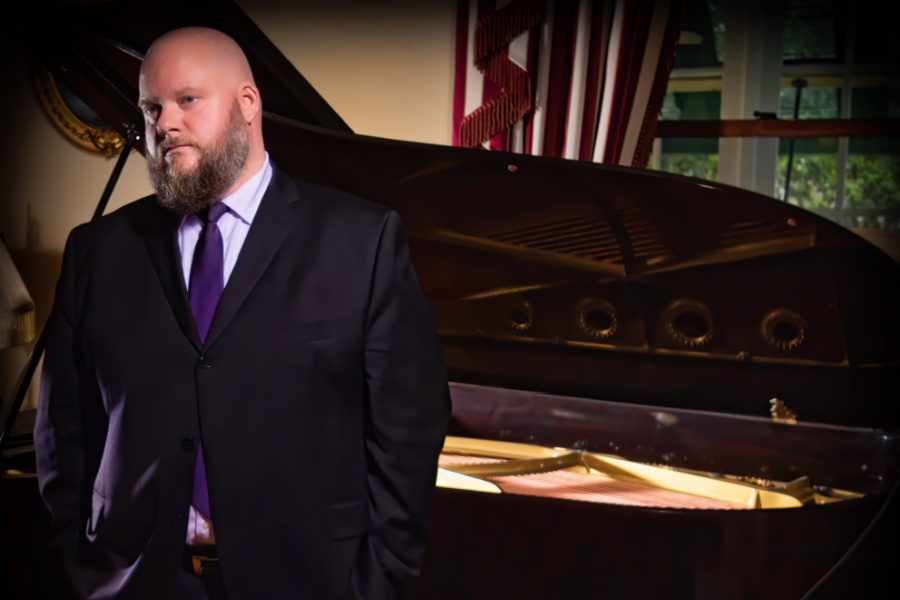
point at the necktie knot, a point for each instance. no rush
(212, 214)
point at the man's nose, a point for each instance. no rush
(166, 121)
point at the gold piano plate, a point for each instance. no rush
(560, 473)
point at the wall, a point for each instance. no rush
(385, 67)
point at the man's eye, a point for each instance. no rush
(151, 111)
(189, 99)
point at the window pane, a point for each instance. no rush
(813, 180)
(876, 32)
(808, 30)
(686, 106)
(695, 105)
(876, 102)
(872, 196)
(815, 103)
(717, 20)
(702, 166)
(703, 34)
(694, 157)
(873, 191)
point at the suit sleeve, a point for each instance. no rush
(57, 433)
(59, 436)
(407, 413)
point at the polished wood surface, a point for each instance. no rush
(858, 459)
(536, 548)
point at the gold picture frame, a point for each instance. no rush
(105, 141)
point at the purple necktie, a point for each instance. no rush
(207, 282)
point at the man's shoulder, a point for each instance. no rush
(139, 218)
(140, 209)
(326, 201)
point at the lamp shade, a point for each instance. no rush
(16, 306)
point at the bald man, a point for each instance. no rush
(243, 394)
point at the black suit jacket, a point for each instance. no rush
(319, 395)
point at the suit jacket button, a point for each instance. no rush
(187, 444)
(203, 363)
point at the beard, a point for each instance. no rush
(217, 168)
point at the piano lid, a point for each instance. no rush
(562, 276)
(630, 285)
(95, 48)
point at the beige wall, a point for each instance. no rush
(387, 70)
(385, 67)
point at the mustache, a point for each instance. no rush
(169, 143)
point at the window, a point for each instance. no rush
(842, 61)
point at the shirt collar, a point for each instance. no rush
(244, 202)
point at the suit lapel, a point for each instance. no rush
(271, 225)
(162, 243)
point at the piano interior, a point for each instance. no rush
(532, 470)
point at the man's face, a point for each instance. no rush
(196, 139)
(184, 189)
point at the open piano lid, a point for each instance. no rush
(562, 276)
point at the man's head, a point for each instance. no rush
(202, 114)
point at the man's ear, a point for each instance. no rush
(249, 101)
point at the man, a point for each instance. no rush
(242, 393)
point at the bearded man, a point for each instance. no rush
(243, 394)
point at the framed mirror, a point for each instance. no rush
(74, 119)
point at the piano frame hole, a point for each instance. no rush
(597, 318)
(784, 328)
(521, 316)
(689, 322)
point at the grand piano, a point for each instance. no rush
(662, 387)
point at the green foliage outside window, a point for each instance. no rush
(808, 30)
(701, 166)
(813, 180)
(872, 184)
